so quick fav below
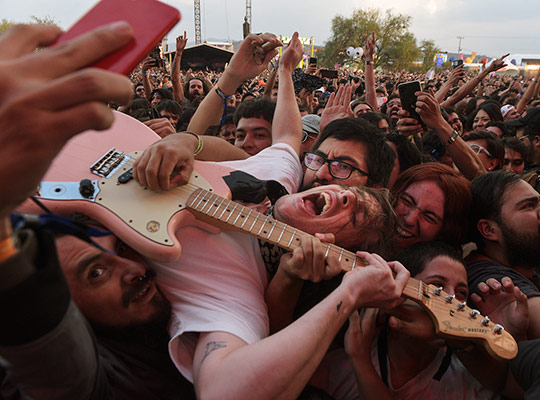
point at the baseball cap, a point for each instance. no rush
(506, 109)
(530, 118)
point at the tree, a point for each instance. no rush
(428, 50)
(5, 24)
(396, 46)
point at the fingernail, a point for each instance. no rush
(121, 27)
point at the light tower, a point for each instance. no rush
(197, 13)
(247, 19)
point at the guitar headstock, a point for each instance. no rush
(455, 320)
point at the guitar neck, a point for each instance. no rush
(208, 205)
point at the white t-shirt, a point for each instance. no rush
(219, 281)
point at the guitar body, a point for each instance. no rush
(143, 219)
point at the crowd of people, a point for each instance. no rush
(445, 192)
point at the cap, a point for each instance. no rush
(506, 109)
(530, 118)
(311, 124)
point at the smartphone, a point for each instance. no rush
(158, 61)
(329, 73)
(313, 60)
(456, 63)
(149, 19)
(407, 96)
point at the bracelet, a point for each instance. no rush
(369, 62)
(453, 137)
(200, 143)
(224, 98)
(7, 248)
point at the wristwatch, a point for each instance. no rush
(453, 137)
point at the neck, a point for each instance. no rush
(497, 253)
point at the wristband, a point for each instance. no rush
(200, 143)
(7, 248)
(369, 62)
(224, 98)
(143, 72)
(453, 137)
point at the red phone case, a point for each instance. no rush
(149, 19)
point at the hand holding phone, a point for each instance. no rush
(408, 98)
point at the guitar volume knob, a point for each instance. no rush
(86, 188)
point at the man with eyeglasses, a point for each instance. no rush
(488, 148)
(350, 151)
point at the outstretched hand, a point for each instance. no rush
(498, 63)
(504, 304)
(338, 106)
(292, 54)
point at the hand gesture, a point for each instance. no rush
(308, 262)
(428, 109)
(361, 333)
(252, 57)
(497, 64)
(338, 106)
(166, 164)
(148, 63)
(161, 126)
(292, 54)
(370, 46)
(181, 43)
(456, 75)
(407, 126)
(508, 308)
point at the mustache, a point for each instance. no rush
(141, 283)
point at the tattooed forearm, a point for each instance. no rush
(339, 306)
(211, 347)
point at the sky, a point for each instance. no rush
(490, 28)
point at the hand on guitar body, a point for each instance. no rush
(46, 97)
(173, 153)
(504, 304)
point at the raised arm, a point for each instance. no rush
(369, 73)
(176, 76)
(287, 123)
(147, 63)
(455, 75)
(249, 61)
(469, 86)
(529, 93)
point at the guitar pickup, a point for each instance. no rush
(109, 163)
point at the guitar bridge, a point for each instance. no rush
(109, 163)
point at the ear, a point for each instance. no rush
(489, 229)
(536, 141)
(493, 163)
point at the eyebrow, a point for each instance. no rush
(83, 264)
(413, 200)
(534, 199)
(444, 279)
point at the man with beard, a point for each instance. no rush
(505, 224)
(195, 87)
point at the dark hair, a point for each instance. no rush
(506, 130)
(255, 108)
(493, 144)
(170, 106)
(417, 256)
(137, 104)
(375, 117)
(408, 153)
(379, 156)
(457, 197)
(385, 105)
(165, 94)
(432, 147)
(206, 86)
(472, 104)
(487, 192)
(515, 144)
(491, 108)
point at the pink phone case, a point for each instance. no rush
(149, 19)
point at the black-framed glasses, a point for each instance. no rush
(338, 169)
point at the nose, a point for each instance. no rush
(411, 216)
(247, 143)
(323, 174)
(132, 272)
(347, 198)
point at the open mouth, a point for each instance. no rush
(405, 234)
(317, 204)
(143, 294)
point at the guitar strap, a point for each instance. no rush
(382, 355)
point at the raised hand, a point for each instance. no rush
(370, 46)
(181, 43)
(292, 53)
(338, 106)
(497, 64)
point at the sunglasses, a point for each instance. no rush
(479, 149)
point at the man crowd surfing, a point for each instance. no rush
(446, 195)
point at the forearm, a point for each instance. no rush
(528, 95)
(217, 149)
(176, 79)
(467, 88)
(147, 86)
(281, 297)
(441, 93)
(371, 94)
(463, 156)
(270, 83)
(278, 366)
(287, 122)
(370, 384)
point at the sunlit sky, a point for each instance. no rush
(489, 28)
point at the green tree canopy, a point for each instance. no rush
(396, 46)
(428, 50)
(6, 24)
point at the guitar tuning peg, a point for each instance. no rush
(485, 321)
(461, 306)
(438, 291)
(450, 298)
(498, 329)
(474, 313)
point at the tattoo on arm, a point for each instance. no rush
(211, 347)
(339, 305)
